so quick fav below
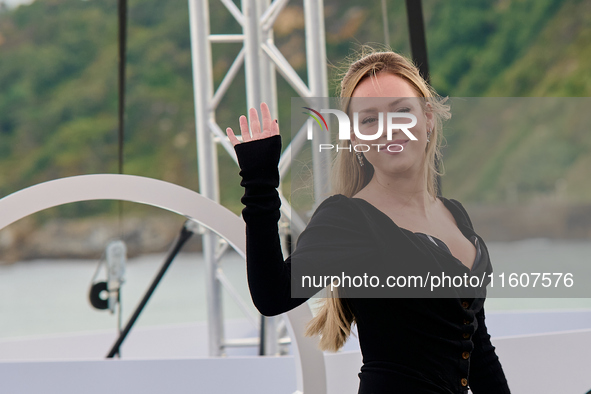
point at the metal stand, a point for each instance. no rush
(261, 59)
(183, 237)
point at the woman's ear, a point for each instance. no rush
(353, 137)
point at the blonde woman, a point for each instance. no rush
(385, 209)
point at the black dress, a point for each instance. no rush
(409, 345)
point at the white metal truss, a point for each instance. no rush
(261, 60)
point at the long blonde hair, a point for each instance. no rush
(335, 318)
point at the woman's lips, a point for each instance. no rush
(394, 147)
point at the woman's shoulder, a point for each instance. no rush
(338, 227)
(338, 208)
(451, 203)
(336, 203)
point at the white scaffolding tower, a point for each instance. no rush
(261, 60)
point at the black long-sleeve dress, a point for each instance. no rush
(409, 345)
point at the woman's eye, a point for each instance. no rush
(403, 110)
(369, 120)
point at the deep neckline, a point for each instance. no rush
(459, 224)
(476, 244)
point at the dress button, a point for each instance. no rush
(465, 305)
(464, 382)
(465, 335)
(465, 355)
(466, 321)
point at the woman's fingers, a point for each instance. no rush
(244, 129)
(269, 126)
(232, 137)
(267, 122)
(255, 125)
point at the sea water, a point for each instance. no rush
(51, 296)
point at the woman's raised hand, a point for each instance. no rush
(270, 127)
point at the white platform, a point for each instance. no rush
(541, 352)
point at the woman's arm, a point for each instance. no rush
(269, 276)
(334, 237)
(486, 372)
(258, 157)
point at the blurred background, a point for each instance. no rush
(58, 118)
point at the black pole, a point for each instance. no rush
(418, 43)
(183, 237)
(122, 7)
(122, 40)
(418, 47)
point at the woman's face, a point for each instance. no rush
(385, 93)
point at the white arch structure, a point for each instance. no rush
(310, 366)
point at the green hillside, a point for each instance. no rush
(58, 84)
